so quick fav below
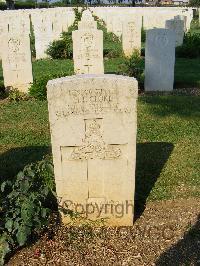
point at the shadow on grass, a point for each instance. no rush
(184, 106)
(185, 251)
(151, 157)
(14, 160)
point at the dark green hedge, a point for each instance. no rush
(190, 47)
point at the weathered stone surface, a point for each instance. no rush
(16, 55)
(117, 26)
(131, 36)
(177, 25)
(93, 132)
(159, 60)
(88, 46)
(87, 21)
(88, 51)
(2, 29)
(42, 25)
(184, 18)
(57, 23)
(153, 17)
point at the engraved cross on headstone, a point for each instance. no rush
(88, 64)
(88, 67)
(92, 152)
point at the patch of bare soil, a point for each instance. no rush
(167, 233)
(3, 100)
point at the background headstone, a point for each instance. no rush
(43, 31)
(87, 21)
(88, 49)
(16, 55)
(177, 25)
(131, 36)
(159, 60)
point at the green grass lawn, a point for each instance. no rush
(168, 149)
(187, 72)
(52, 67)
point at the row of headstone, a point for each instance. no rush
(87, 41)
(152, 17)
(15, 50)
(126, 23)
(48, 24)
(159, 51)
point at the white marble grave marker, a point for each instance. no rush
(159, 60)
(16, 56)
(88, 50)
(93, 133)
(131, 36)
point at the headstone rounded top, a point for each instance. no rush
(90, 77)
(86, 15)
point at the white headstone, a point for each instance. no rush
(159, 60)
(184, 18)
(131, 36)
(57, 23)
(177, 25)
(87, 21)
(88, 51)
(93, 133)
(117, 24)
(16, 56)
(42, 25)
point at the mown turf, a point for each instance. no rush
(24, 135)
(187, 72)
(43, 68)
(172, 158)
(168, 150)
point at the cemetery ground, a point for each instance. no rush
(166, 230)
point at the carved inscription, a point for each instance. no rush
(87, 49)
(131, 33)
(90, 101)
(16, 55)
(93, 145)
